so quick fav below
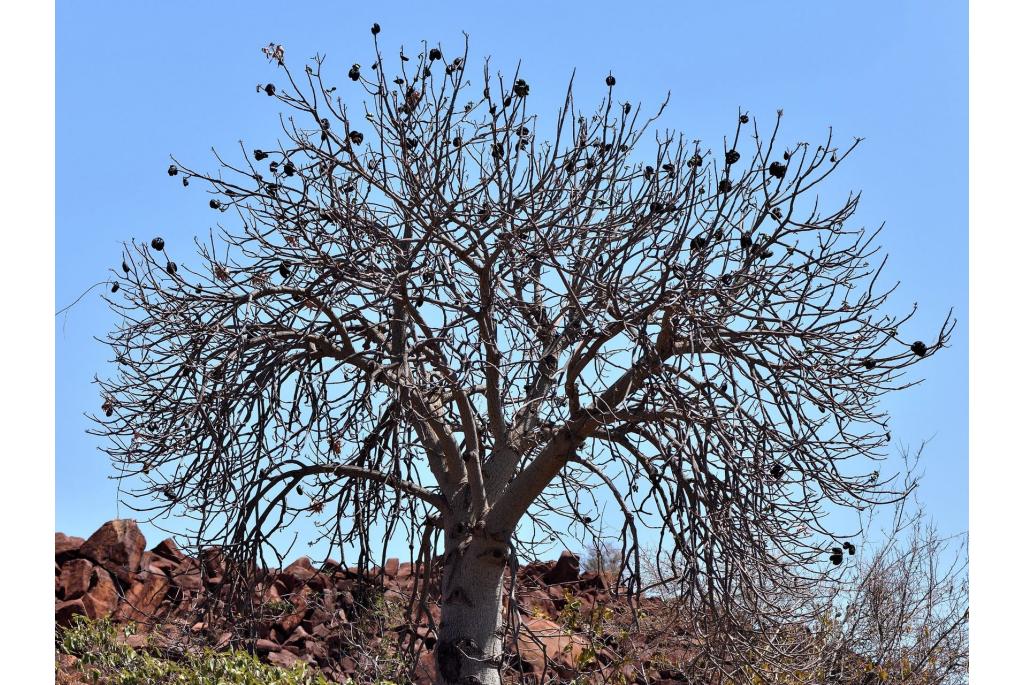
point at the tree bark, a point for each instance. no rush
(469, 645)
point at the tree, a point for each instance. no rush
(423, 316)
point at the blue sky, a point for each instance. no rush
(137, 82)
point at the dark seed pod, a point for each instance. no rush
(172, 268)
(507, 101)
(869, 363)
(214, 204)
(283, 270)
(724, 186)
(744, 119)
(836, 559)
(746, 242)
(785, 156)
(434, 54)
(850, 548)
(157, 243)
(124, 267)
(184, 182)
(325, 124)
(777, 213)
(260, 155)
(695, 161)
(115, 287)
(657, 207)
(375, 29)
(777, 170)
(649, 172)
(298, 489)
(356, 137)
(837, 550)
(919, 348)
(609, 81)
(778, 471)
(669, 168)
(731, 157)
(698, 243)
(457, 141)
(172, 170)
(496, 151)
(289, 169)
(521, 88)
(353, 73)
(270, 89)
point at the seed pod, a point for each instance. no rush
(124, 266)
(609, 81)
(356, 137)
(457, 141)
(260, 155)
(157, 243)
(353, 73)
(744, 119)
(778, 471)
(289, 169)
(724, 186)
(919, 348)
(521, 88)
(172, 170)
(698, 243)
(283, 270)
(325, 124)
(777, 170)
(434, 54)
(731, 157)
(375, 29)
(214, 204)
(270, 89)
(273, 166)
(746, 242)
(869, 363)
(172, 268)
(115, 287)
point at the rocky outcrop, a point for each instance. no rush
(306, 611)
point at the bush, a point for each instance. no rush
(104, 659)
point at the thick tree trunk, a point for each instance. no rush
(469, 644)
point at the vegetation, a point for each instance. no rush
(104, 658)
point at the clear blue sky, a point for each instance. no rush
(137, 82)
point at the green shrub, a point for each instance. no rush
(103, 659)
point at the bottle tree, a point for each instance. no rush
(420, 315)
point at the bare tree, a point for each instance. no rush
(422, 317)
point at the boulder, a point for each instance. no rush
(391, 567)
(117, 546)
(565, 570)
(101, 600)
(75, 578)
(300, 572)
(65, 611)
(66, 547)
(282, 658)
(541, 640)
(168, 549)
(143, 598)
(186, 576)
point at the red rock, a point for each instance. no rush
(186, 576)
(168, 549)
(391, 567)
(64, 611)
(291, 621)
(75, 578)
(66, 546)
(282, 658)
(540, 639)
(565, 570)
(212, 560)
(143, 598)
(299, 572)
(426, 669)
(264, 646)
(117, 546)
(101, 600)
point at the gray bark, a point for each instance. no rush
(469, 645)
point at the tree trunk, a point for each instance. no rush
(469, 644)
